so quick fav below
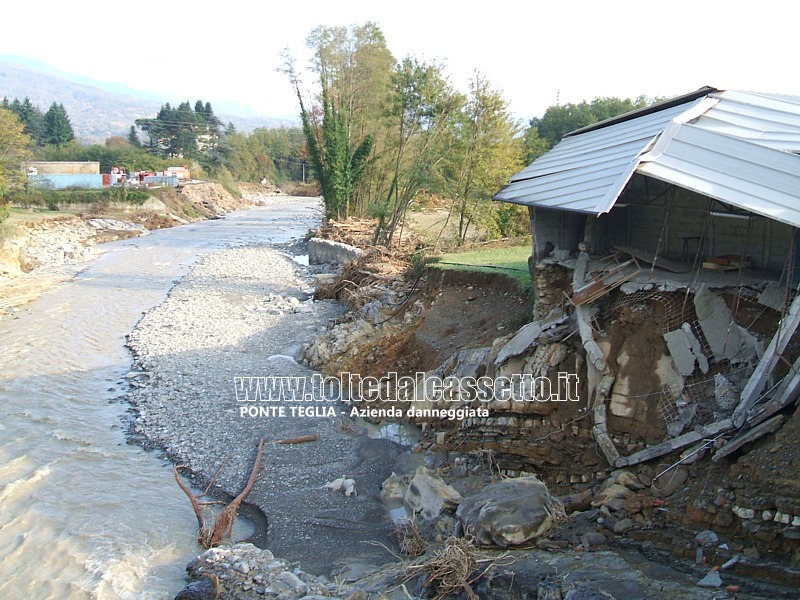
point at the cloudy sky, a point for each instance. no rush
(537, 53)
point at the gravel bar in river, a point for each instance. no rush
(245, 312)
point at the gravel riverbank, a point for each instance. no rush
(245, 312)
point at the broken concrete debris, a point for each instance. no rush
(428, 496)
(727, 340)
(660, 365)
(344, 485)
(660, 372)
(711, 580)
(529, 336)
(686, 351)
(769, 360)
(725, 393)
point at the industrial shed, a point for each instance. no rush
(686, 212)
(711, 173)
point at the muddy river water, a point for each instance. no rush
(83, 514)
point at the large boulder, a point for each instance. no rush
(510, 513)
(428, 495)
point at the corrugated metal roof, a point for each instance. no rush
(756, 178)
(577, 174)
(738, 147)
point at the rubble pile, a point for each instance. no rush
(660, 434)
(661, 397)
(245, 571)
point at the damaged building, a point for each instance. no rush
(665, 244)
(686, 211)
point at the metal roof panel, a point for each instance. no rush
(739, 147)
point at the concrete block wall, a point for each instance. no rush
(326, 251)
(562, 229)
(47, 167)
(646, 226)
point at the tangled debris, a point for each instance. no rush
(451, 569)
(409, 538)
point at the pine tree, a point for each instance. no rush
(133, 137)
(31, 118)
(57, 128)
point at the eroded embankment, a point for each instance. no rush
(652, 480)
(38, 251)
(243, 312)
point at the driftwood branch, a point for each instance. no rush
(221, 527)
(298, 440)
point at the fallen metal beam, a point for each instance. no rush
(756, 432)
(788, 391)
(600, 428)
(769, 360)
(674, 444)
(582, 315)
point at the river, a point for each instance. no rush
(83, 514)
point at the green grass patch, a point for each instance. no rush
(511, 261)
(35, 213)
(51, 199)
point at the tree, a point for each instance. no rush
(533, 145)
(420, 105)
(342, 121)
(484, 153)
(133, 137)
(277, 154)
(182, 131)
(57, 128)
(558, 120)
(31, 118)
(14, 148)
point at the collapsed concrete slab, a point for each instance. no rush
(686, 351)
(526, 338)
(727, 340)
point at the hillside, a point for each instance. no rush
(98, 113)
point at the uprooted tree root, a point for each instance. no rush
(449, 571)
(366, 277)
(408, 537)
(221, 526)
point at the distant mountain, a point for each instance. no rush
(98, 110)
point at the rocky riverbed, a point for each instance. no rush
(247, 312)
(244, 313)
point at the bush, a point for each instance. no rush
(420, 261)
(226, 180)
(510, 220)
